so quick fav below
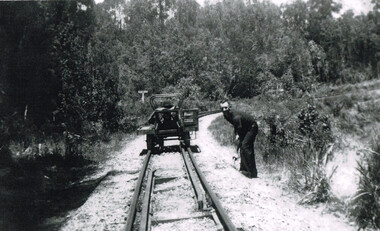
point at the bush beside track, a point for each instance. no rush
(299, 151)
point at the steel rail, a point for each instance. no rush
(145, 214)
(132, 208)
(201, 199)
(206, 113)
(224, 219)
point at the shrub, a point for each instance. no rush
(222, 131)
(276, 140)
(132, 113)
(316, 178)
(301, 144)
(366, 203)
(290, 137)
(314, 126)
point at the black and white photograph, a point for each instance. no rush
(190, 115)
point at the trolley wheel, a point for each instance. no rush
(149, 141)
(186, 138)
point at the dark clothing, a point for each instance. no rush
(241, 121)
(246, 127)
(247, 152)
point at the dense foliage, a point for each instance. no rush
(70, 70)
(79, 65)
(293, 137)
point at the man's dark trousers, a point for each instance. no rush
(247, 153)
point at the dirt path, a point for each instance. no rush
(107, 207)
(256, 204)
(253, 204)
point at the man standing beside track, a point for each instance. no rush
(246, 128)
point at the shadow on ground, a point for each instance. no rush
(171, 148)
(33, 190)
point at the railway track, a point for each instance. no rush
(172, 194)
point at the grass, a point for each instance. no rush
(30, 189)
(356, 112)
(353, 110)
(366, 203)
(39, 181)
(283, 149)
(222, 131)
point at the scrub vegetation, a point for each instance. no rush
(298, 138)
(71, 71)
(366, 204)
(294, 138)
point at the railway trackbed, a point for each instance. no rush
(172, 194)
(257, 204)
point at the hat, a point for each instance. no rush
(167, 104)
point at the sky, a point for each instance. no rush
(358, 6)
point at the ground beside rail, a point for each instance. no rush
(252, 204)
(256, 204)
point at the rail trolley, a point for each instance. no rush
(169, 121)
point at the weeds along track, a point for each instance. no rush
(172, 194)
